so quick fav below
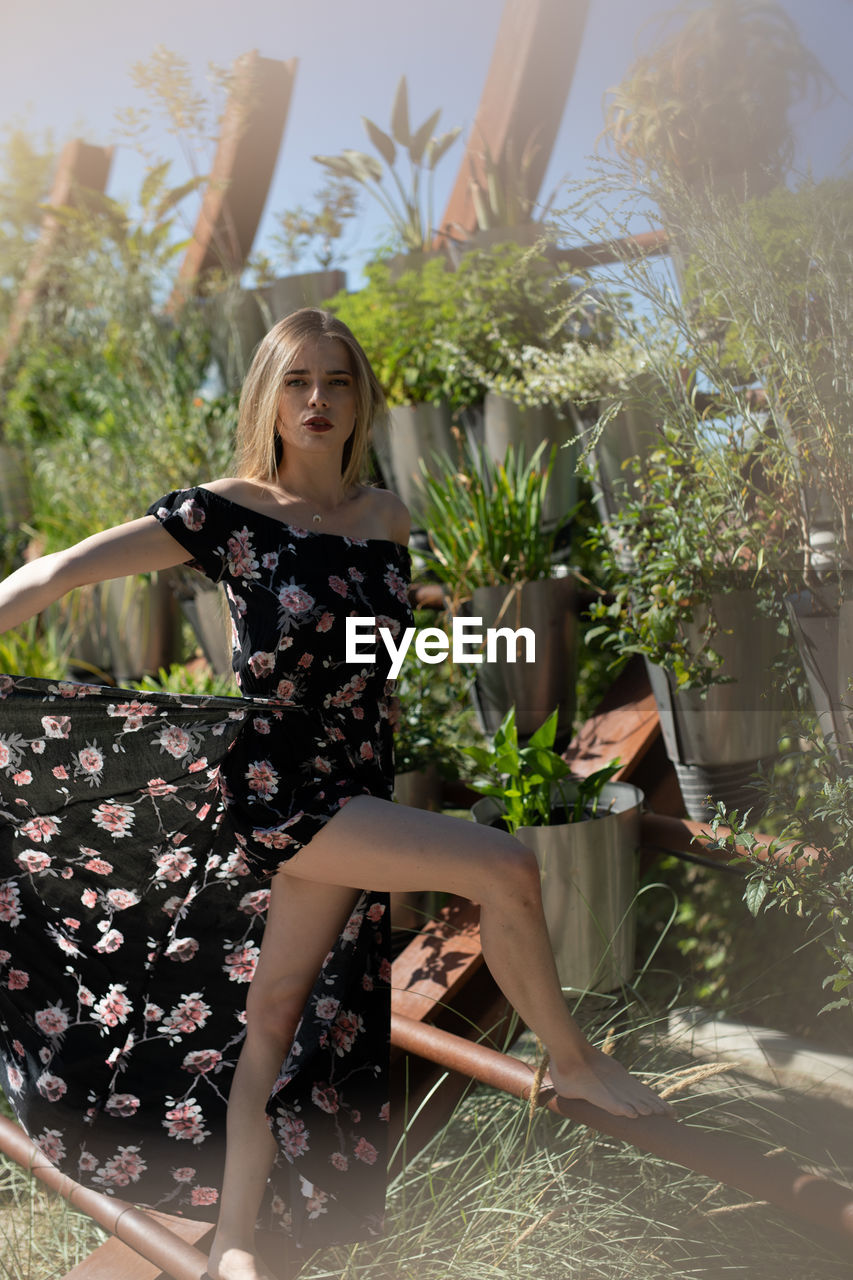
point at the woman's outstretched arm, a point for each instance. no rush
(140, 546)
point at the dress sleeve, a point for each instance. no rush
(187, 514)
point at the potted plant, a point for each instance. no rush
(710, 101)
(494, 555)
(585, 834)
(695, 589)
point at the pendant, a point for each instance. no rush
(316, 517)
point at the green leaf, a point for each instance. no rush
(422, 136)
(400, 115)
(546, 733)
(756, 892)
(381, 141)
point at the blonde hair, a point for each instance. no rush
(258, 448)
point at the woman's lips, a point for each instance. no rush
(318, 424)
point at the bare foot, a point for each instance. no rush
(601, 1080)
(237, 1264)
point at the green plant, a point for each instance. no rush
(808, 868)
(710, 101)
(524, 778)
(433, 716)
(180, 678)
(410, 212)
(484, 518)
(36, 650)
(316, 230)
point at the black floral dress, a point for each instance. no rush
(138, 833)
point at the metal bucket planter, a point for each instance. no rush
(546, 607)
(204, 607)
(631, 433)
(589, 886)
(142, 622)
(715, 738)
(412, 433)
(823, 629)
(506, 423)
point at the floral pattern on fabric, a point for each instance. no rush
(137, 836)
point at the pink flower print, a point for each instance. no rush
(152, 1013)
(85, 996)
(51, 1087)
(365, 1151)
(87, 1162)
(183, 1175)
(174, 864)
(385, 1111)
(182, 949)
(295, 599)
(327, 1008)
(159, 787)
(10, 904)
(60, 772)
(306, 660)
(321, 765)
(52, 1021)
(261, 725)
(173, 740)
(89, 898)
(33, 860)
(275, 837)
(262, 663)
(358, 713)
(240, 963)
(202, 1061)
(71, 922)
(5, 957)
(339, 1161)
(190, 1015)
(196, 766)
(122, 1104)
(191, 513)
(121, 899)
(15, 1079)
(352, 927)
(37, 746)
(22, 779)
(123, 1168)
(366, 751)
(204, 1195)
(50, 1143)
(40, 829)
(270, 560)
(285, 691)
(376, 912)
(18, 980)
(355, 574)
(98, 866)
(326, 1098)
(396, 584)
(185, 1122)
(390, 624)
(241, 556)
(110, 942)
(338, 584)
(326, 622)
(344, 1031)
(133, 713)
(293, 1136)
(117, 819)
(254, 903)
(55, 726)
(385, 971)
(113, 1007)
(89, 761)
(262, 778)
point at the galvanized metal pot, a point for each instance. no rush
(546, 607)
(413, 433)
(822, 624)
(506, 423)
(715, 738)
(589, 885)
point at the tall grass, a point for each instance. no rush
(41, 1237)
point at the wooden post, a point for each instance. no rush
(249, 142)
(523, 99)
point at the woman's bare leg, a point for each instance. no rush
(390, 847)
(303, 922)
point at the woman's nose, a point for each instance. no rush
(318, 395)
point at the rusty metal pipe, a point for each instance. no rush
(681, 835)
(132, 1226)
(722, 1156)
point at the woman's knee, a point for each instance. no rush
(513, 870)
(273, 1010)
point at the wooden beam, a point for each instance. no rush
(249, 143)
(82, 168)
(523, 99)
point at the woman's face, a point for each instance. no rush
(316, 408)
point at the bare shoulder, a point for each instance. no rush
(232, 487)
(390, 514)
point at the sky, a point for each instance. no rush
(65, 66)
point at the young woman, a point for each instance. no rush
(129, 827)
